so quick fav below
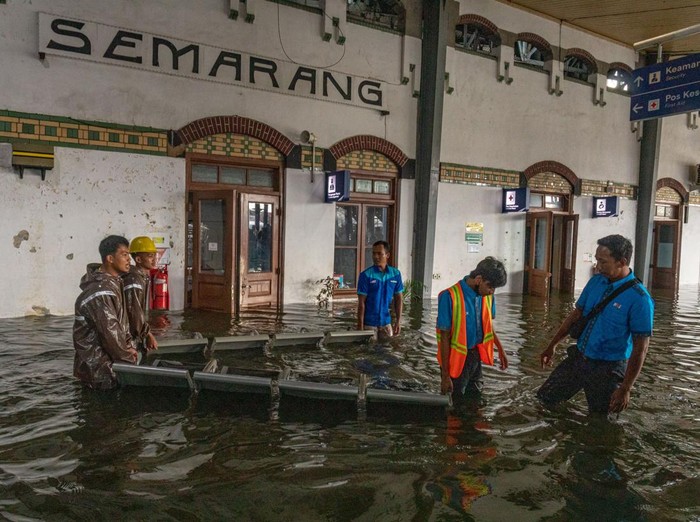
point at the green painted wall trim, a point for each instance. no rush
(86, 147)
(63, 119)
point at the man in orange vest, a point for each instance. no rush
(465, 328)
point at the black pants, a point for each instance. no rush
(598, 378)
(471, 380)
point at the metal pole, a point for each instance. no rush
(646, 195)
(668, 37)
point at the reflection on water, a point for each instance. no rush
(141, 454)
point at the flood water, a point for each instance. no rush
(151, 454)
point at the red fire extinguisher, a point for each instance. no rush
(160, 298)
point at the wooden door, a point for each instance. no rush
(258, 256)
(538, 234)
(666, 255)
(568, 262)
(212, 270)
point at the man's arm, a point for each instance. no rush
(444, 347)
(547, 355)
(361, 299)
(398, 310)
(502, 359)
(621, 397)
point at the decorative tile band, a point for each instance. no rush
(591, 187)
(453, 173)
(367, 160)
(235, 146)
(306, 157)
(694, 198)
(550, 182)
(668, 195)
(67, 132)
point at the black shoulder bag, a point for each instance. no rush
(576, 329)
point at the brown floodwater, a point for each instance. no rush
(162, 454)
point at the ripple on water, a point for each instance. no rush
(164, 454)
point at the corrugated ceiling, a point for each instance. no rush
(625, 21)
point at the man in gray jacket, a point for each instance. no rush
(101, 328)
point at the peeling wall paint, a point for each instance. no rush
(84, 198)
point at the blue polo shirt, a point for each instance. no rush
(380, 288)
(608, 336)
(472, 306)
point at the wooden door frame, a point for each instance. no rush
(228, 242)
(242, 264)
(574, 242)
(280, 192)
(678, 223)
(531, 217)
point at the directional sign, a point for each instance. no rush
(666, 88)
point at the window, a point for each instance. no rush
(477, 37)
(619, 80)
(529, 54)
(666, 211)
(555, 202)
(578, 67)
(209, 174)
(366, 219)
(389, 14)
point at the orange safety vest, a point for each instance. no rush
(458, 343)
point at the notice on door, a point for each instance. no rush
(213, 247)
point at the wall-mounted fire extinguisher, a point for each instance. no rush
(160, 298)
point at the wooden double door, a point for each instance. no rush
(236, 250)
(665, 262)
(550, 252)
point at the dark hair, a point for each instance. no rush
(110, 244)
(386, 246)
(620, 247)
(492, 271)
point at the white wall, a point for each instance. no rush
(91, 91)
(690, 249)
(487, 123)
(87, 196)
(504, 235)
(309, 236)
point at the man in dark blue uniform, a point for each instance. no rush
(377, 287)
(610, 352)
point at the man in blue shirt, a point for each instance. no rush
(610, 352)
(377, 287)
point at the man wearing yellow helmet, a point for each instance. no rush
(136, 283)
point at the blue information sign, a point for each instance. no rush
(666, 88)
(337, 186)
(606, 206)
(516, 200)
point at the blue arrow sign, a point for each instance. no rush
(666, 88)
(665, 75)
(685, 98)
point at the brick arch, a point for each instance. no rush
(212, 125)
(478, 20)
(552, 166)
(367, 142)
(675, 185)
(621, 66)
(584, 55)
(536, 40)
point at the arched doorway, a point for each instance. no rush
(235, 169)
(551, 230)
(670, 199)
(372, 213)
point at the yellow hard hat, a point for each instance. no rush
(142, 244)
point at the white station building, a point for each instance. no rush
(266, 144)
